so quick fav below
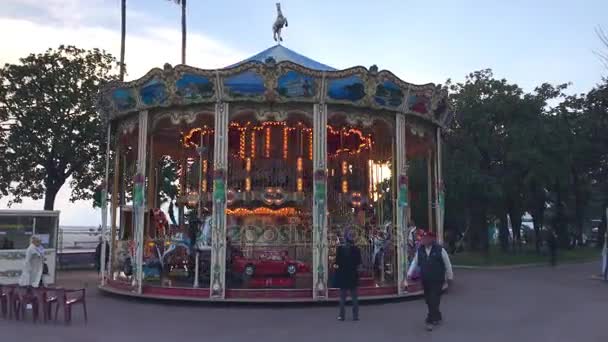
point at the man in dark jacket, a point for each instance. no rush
(435, 268)
(348, 259)
(98, 255)
(552, 244)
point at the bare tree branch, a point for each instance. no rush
(602, 55)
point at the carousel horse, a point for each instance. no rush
(203, 236)
(380, 242)
(279, 24)
(178, 240)
(160, 222)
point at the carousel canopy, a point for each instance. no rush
(280, 53)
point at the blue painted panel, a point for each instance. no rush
(247, 84)
(388, 94)
(194, 87)
(294, 84)
(153, 93)
(350, 88)
(124, 99)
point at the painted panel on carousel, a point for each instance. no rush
(293, 84)
(247, 84)
(194, 87)
(124, 99)
(388, 94)
(350, 89)
(153, 92)
(419, 102)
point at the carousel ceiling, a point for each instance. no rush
(276, 75)
(282, 54)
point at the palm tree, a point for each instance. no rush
(183, 4)
(123, 30)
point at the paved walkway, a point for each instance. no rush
(532, 304)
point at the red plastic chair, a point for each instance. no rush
(68, 298)
(46, 298)
(22, 296)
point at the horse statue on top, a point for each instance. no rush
(279, 24)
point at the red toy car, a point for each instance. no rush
(268, 264)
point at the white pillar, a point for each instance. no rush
(116, 192)
(104, 209)
(402, 202)
(139, 200)
(319, 234)
(218, 231)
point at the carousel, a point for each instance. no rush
(238, 183)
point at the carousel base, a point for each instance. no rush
(371, 293)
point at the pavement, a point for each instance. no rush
(527, 304)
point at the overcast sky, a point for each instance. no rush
(527, 42)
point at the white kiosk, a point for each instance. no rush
(16, 229)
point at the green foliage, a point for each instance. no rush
(56, 133)
(509, 152)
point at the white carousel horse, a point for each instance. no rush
(279, 24)
(380, 242)
(203, 238)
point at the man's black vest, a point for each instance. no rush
(432, 267)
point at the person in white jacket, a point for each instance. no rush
(33, 267)
(435, 268)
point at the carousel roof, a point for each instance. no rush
(280, 53)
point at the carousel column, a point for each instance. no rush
(401, 163)
(151, 198)
(104, 209)
(139, 182)
(218, 230)
(319, 233)
(116, 193)
(439, 191)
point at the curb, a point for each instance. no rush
(506, 267)
(513, 267)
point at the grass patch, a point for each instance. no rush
(496, 257)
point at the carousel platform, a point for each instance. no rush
(366, 293)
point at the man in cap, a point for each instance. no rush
(435, 268)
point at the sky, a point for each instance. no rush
(526, 42)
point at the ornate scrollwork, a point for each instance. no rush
(370, 81)
(128, 125)
(263, 115)
(364, 119)
(178, 117)
(271, 77)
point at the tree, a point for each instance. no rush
(473, 149)
(596, 109)
(56, 133)
(4, 126)
(168, 180)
